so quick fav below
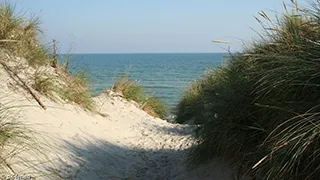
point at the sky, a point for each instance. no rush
(148, 26)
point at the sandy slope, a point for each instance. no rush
(126, 143)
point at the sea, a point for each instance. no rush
(164, 75)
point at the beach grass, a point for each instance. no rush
(43, 83)
(131, 90)
(11, 134)
(19, 37)
(190, 104)
(261, 109)
(77, 90)
(16, 141)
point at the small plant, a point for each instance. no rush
(11, 134)
(155, 107)
(15, 140)
(44, 84)
(76, 90)
(132, 91)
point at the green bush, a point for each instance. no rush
(261, 110)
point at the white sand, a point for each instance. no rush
(127, 143)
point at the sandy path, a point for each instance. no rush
(126, 144)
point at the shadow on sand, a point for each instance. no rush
(99, 159)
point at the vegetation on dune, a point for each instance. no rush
(261, 110)
(27, 62)
(16, 142)
(77, 90)
(43, 83)
(10, 134)
(131, 90)
(19, 37)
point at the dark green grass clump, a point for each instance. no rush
(133, 91)
(261, 110)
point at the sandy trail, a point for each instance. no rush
(125, 144)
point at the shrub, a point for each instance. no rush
(261, 110)
(133, 91)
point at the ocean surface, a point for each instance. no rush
(166, 76)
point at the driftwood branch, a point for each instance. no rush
(15, 77)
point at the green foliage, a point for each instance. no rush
(261, 110)
(133, 91)
(77, 90)
(191, 104)
(20, 36)
(130, 89)
(44, 84)
(155, 107)
(9, 130)
(14, 138)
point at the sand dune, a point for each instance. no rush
(126, 143)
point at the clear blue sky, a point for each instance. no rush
(135, 26)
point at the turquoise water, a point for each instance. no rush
(164, 75)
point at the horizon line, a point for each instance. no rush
(146, 53)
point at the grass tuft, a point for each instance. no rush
(131, 90)
(20, 36)
(76, 89)
(43, 83)
(15, 140)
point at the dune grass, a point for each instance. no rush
(11, 134)
(15, 141)
(131, 90)
(20, 41)
(261, 109)
(77, 90)
(43, 83)
(19, 37)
